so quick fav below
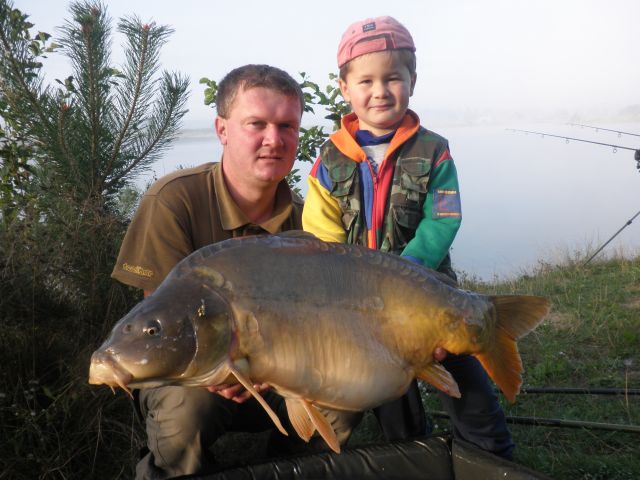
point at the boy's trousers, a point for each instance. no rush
(477, 416)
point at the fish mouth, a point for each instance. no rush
(106, 370)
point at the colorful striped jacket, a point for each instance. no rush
(410, 207)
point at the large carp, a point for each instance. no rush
(327, 325)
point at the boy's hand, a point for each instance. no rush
(237, 393)
(439, 354)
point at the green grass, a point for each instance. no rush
(590, 339)
(54, 425)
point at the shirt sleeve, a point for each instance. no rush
(322, 215)
(155, 242)
(442, 215)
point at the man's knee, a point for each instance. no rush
(180, 421)
(187, 405)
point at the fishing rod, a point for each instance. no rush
(619, 132)
(612, 237)
(582, 391)
(567, 139)
(636, 157)
(558, 422)
(570, 390)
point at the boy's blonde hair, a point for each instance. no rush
(405, 56)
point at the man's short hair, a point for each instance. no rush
(254, 76)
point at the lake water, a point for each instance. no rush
(524, 198)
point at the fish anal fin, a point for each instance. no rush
(299, 418)
(322, 425)
(247, 384)
(438, 376)
(503, 364)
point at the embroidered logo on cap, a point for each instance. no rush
(367, 27)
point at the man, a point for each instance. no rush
(259, 112)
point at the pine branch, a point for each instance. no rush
(162, 128)
(142, 55)
(86, 43)
(20, 79)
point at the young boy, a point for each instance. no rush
(385, 182)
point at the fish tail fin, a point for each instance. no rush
(516, 315)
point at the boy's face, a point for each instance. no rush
(378, 87)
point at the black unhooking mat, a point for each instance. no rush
(431, 458)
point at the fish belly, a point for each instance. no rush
(330, 357)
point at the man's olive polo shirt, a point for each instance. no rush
(187, 210)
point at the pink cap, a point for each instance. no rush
(373, 35)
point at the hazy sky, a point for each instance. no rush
(551, 60)
(472, 55)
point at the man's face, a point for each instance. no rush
(260, 136)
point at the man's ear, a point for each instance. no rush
(221, 129)
(414, 77)
(344, 90)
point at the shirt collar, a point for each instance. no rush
(365, 138)
(232, 218)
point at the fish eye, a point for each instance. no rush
(152, 328)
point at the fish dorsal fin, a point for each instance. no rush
(298, 234)
(439, 377)
(247, 384)
(446, 279)
(322, 425)
(299, 418)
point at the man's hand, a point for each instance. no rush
(237, 393)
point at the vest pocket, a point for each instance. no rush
(342, 177)
(405, 222)
(414, 177)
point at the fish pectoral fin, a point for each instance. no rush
(247, 384)
(322, 425)
(299, 418)
(439, 377)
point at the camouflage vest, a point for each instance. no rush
(413, 162)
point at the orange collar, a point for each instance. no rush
(344, 139)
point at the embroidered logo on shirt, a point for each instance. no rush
(446, 203)
(137, 270)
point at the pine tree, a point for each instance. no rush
(70, 151)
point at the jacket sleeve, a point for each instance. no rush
(155, 242)
(322, 215)
(441, 215)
